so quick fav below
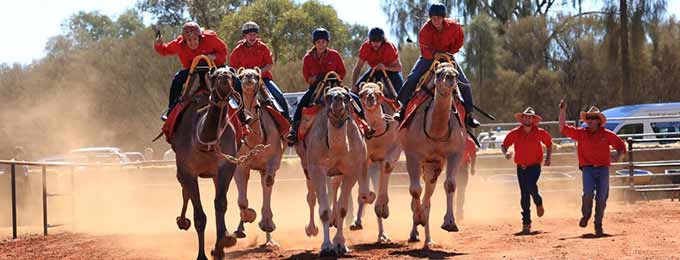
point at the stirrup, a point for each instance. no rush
(165, 114)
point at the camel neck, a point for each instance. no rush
(439, 116)
(375, 119)
(337, 138)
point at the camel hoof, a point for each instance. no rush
(327, 253)
(216, 254)
(429, 245)
(183, 223)
(414, 239)
(341, 250)
(271, 245)
(267, 227)
(368, 199)
(356, 226)
(239, 234)
(248, 215)
(450, 227)
(384, 239)
(311, 230)
(382, 211)
(226, 242)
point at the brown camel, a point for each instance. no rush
(203, 135)
(264, 132)
(434, 137)
(334, 146)
(383, 152)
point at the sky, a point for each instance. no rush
(37, 20)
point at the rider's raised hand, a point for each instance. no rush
(159, 40)
(563, 104)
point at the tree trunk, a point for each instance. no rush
(625, 54)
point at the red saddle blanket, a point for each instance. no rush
(281, 121)
(309, 113)
(420, 99)
(171, 123)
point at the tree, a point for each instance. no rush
(405, 17)
(480, 51)
(207, 13)
(167, 12)
(87, 27)
(625, 54)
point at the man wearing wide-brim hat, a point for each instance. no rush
(594, 160)
(527, 139)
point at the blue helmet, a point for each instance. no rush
(437, 9)
(320, 33)
(376, 34)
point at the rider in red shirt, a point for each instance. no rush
(191, 43)
(380, 54)
(317, 62)
(251, 52)
(438, 35)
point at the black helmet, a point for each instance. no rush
(320, 33)
(250, 27)
(376, 34)
(437, 9)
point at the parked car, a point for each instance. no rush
(638, 124)
(98, 155)
(135, 156)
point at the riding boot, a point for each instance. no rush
(399, 116)
(471, 121)
(292, 135)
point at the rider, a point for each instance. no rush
(193, 42)
(317, 62)
(380, 54)
(251, 52)
(438, 35)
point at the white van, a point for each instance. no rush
(635, 119)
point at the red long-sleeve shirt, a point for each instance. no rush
(330, 60)
(210, 43)
(593, 147)
(386, 54)
(257, 55)
(528, 149)
(450, 39)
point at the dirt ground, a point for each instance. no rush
(131, 215)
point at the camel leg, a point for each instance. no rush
(223, 239)
(182, 222)
(199, 216)
(415, 189)
(365, 193)
(372, 173)
(431, 173)
(450, 187)
(267, 222)
(311, 229)
(318, 176)
(382, 211)
(333, 196)
(348, 182)
(248, 215)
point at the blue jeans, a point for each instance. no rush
(595, 185)
(395, 77)
(307, 99)
(176, 87)
(421, 66)
(528, 179)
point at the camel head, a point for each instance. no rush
(337, 100)
(222, 81)
(371, 95)
(250, 80)
(446, 79)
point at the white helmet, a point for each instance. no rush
(250, 27)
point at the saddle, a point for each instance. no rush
(200, 65)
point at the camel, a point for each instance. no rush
(383, 153)
(202, 138)
(264, 132)
(335, 147)
(434, 137)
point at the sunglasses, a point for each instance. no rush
(592, 117)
